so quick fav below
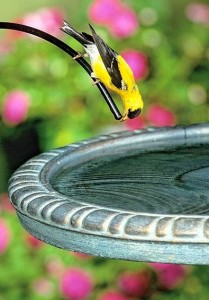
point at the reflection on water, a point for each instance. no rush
(163, 182)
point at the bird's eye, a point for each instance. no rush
(133, 114)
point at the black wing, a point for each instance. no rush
(109, 58)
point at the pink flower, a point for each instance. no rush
(125, 24)
(33, 242)
(121, 20)
(112, 295)
(47, 19)
(4, 236)
(43, 287)
(159, 115)
(169, 275)
(76, 284)
(15, 107)
(198, 13)
(135, 283)
(136, 123)
(55, 267)
(137, 61)
(104, 11)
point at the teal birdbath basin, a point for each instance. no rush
(141, 195)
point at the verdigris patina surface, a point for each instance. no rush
(141, 195)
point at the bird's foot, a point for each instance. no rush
(79, 55)
(93, 76)
(96, 81)
(124, 118)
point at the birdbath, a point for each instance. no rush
(135, 195)
(140, 195)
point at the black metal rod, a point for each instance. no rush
(60, 44)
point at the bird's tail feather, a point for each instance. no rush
(83, 39)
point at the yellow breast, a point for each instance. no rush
(101, 73)
(125, 71)
(131, 97)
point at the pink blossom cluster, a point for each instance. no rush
(139, 284)
(55, 267)
(43, 287)
(135, 284)
(47, 19)
(4, 236)
(198, 13)
(15, 107)
(169, 275)
(156, 115)
(119, 18)
(76, 284)
(138, 62)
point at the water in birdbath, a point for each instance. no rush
(164, 182)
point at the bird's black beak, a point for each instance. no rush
(133, 114)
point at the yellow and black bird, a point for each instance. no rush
(111, 69)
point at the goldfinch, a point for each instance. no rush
(111, 69)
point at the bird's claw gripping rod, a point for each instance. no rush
(64, 47)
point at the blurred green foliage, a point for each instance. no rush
(69, 108)
(72, 108)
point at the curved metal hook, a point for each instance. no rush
(64, 47)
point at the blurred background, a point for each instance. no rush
(47, 101)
